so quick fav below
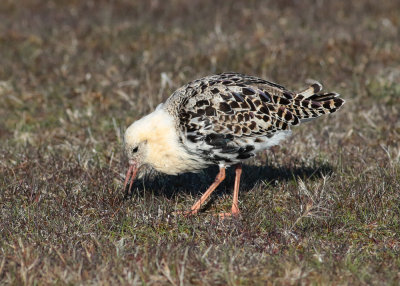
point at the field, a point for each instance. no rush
(322, 209)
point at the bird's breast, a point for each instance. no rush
(172, 159)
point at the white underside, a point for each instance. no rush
(273, 141)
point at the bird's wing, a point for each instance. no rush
(229, 110)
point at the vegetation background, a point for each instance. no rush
(323, 208)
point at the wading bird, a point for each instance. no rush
(220, 120)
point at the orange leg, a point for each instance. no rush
(235, 204)
(220, 177)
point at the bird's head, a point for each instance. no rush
(152, 143)
(135, 145)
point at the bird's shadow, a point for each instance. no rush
(196, 183)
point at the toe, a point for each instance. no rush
(184, 213)
(227, 215)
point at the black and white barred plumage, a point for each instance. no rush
(227, 118)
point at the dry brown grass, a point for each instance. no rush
(321, 209)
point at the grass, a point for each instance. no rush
(322, 209)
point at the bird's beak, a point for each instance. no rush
(131, 174)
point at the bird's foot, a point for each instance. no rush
(234, 214)
(185, 213)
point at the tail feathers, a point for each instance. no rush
(308, 104)
(311, 90)
(324, 96)
(331, 105)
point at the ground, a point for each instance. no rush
(322, 208)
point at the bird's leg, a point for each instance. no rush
(235, 204)
(218, 179)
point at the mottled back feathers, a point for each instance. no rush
(228, 117)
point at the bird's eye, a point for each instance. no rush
(134, 150)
